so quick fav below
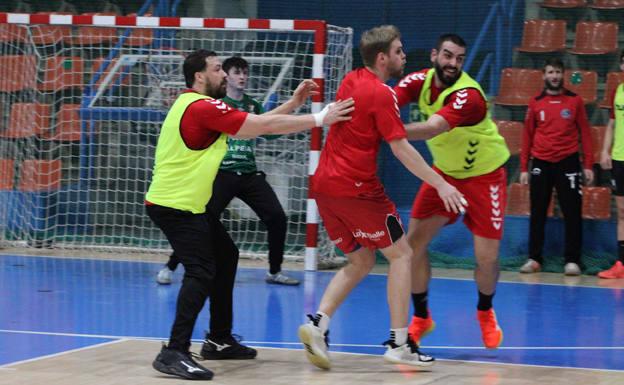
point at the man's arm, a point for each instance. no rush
(607, 143)
(414, 162)
(586, 141)
(434, 126)
(256, 125)
(527, 143)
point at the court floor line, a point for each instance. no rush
(65, 352)
(100, 336)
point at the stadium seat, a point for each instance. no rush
(61, 73)
(543, 36)
(597, 135)
(40, 175)
(607, 4)
(17, 73)
(583, 83)
(518, 86)
(595, 38)
(51, 34)
(139, 37)
(12, 33)
(596, 202)
(519, 202)
(7, 174)
(563, 3)
(68, 124)
(89, 35)
(613, 80)
(27, 120)
(512, 132)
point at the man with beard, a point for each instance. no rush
(469, 153)
(356, 212)
(554, 120)
(190, 148)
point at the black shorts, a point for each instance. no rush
(617, 177)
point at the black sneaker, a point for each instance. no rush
(177, 363)
(228, 348)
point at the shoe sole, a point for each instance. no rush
(214, 357)
(159, 366)
(410, 363)
(313, 356)
(500, 342)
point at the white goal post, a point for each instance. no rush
(82, 99)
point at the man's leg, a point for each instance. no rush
(486, 276)
(420, 233)
(568, 185)
(541, 186)
(262, 199)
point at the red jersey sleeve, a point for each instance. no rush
(465, 107)
(527, 137)
(586, 140)
(408, 89)
(387, 115)
(611, 101)
(216, 115)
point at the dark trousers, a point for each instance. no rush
(564, 176)
(256, 192)
(209, 257)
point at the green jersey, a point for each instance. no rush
(240, 152)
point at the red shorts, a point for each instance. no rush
(352, 222)
(486, 196)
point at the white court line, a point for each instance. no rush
(8, 366)
(130, 338)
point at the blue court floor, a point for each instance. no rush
(51, 305)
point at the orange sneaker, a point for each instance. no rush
(491, 333)
(420, 327)
(616, 271)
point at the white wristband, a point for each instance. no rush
(319, 116)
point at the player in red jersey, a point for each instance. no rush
(357, 214)
(554, 121)
(469, 153)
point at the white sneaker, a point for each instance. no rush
(571, 268)
(316, 345)
(531, 266)
(281, 279)
(165, 276)
(407, 354)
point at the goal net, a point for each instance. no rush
(82, 100)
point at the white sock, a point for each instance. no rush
(322, 321)
(399, 336)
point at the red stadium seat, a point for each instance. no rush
(595, 38)
(89, 35)
(40, 175)
(613, 80)
(583, 83)
(7, 174)
(607, 4)
(13, 33)
(61, 73)
(543, 36)
(27, 120)
(512, 132)
(518, 86)
(596, 202)
(597, 135)
(68, 124)
(139, 37)
(51, 34)
(519, 202)
(17, 73)
(563, 3)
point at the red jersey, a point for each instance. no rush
(472, 108)
(204, 120)
(551, 129)
(348, 163)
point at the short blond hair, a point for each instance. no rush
(376, 40)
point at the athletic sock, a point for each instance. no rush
(485, 301)
(421, 304)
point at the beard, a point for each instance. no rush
(445, 79)
(397, 72)
(552, 87)
(217, 92)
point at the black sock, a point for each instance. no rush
(173, 262)
(485, 301)
(621, 251)
(421, 304)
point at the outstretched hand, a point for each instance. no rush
(338, 111)
(304, 90)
